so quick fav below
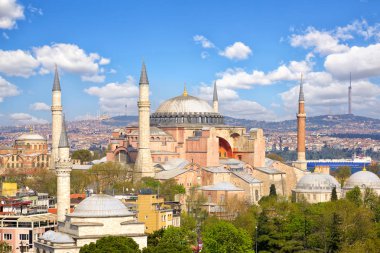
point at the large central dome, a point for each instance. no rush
(185, 104)
(186, 109)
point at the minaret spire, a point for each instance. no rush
(215, 99)
(349, 97)
(56, 84)
(185, 91)
(63, 169)
(56, 110)
(301, 129)
(144, 163)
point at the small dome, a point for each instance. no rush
(48, 235)
(185, 104)
(100, 205)
(317, 182)
(363, 179)
(57, 237)
(30, 137)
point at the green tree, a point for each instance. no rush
(224, 237)
(83, 155)
(355, 196)
(275, 157)
(173, 240)
(155, 237)
(151, 183)
(43, 181)
(188, 222)
(335, 234)
(272, 191)
(170, 188)
(4, 247)
(334, 196)
(79, 180)
(342, 173)
(112, 244)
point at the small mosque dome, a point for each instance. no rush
(317, 182)
(48, 235)
(100, 205)
(363, 179)
(30, 136)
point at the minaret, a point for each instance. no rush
(215, 99)
(56, 110)
(144, 164)
(63, 168)
(349, 97)
(301, 125)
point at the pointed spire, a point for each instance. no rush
(63, 140)
(184, 91)
(301, 97)
(143, 76)
(215, 96)
(56, 85)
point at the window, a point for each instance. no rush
(146, 217)
(7, 237)
(24, 236)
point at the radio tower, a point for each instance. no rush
(349, 97)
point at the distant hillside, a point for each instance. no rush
(323, 122)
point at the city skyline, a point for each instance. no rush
(255, 58)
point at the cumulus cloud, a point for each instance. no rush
(324, 95)
(200, 39)
(39, 106)
(358, 27)
(7, 89)
(362, 62)
(69, 58)
(237, 51)
(10, 12)
(322, 42)
(72, 59)
(17, 63)
(25, 118)
(240, 79)
(114, 96)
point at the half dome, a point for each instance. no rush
(100, 205)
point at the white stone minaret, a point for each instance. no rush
(63, 169)
(215, 99)
(56, 110)
(144, 164)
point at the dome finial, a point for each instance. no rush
(185, 91)
(364, 168)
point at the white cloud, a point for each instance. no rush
(114, 96)
(359, 27)
(5, 36)
(325, 95)
(94, 78)
(72, 59)
(7, 89)
(200, 39)
(10, 12)
(35, 10)
(204, 55)
(362, 62)
(206, 92)
(237, 51)
(241, 79)
(246, 109)
(40, 106)
(322, 42)
(24, 118)
(17, 63)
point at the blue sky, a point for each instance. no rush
(255, 50)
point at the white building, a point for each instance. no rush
(363, 179)
(95, 217)
(315, 188)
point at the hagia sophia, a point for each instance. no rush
(185, 139)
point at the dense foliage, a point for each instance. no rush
(112, 244)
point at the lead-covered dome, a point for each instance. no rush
(363, 179)
(186, 109)
(30, 137)
(317, 182)
(185, 104)
(100, 205)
